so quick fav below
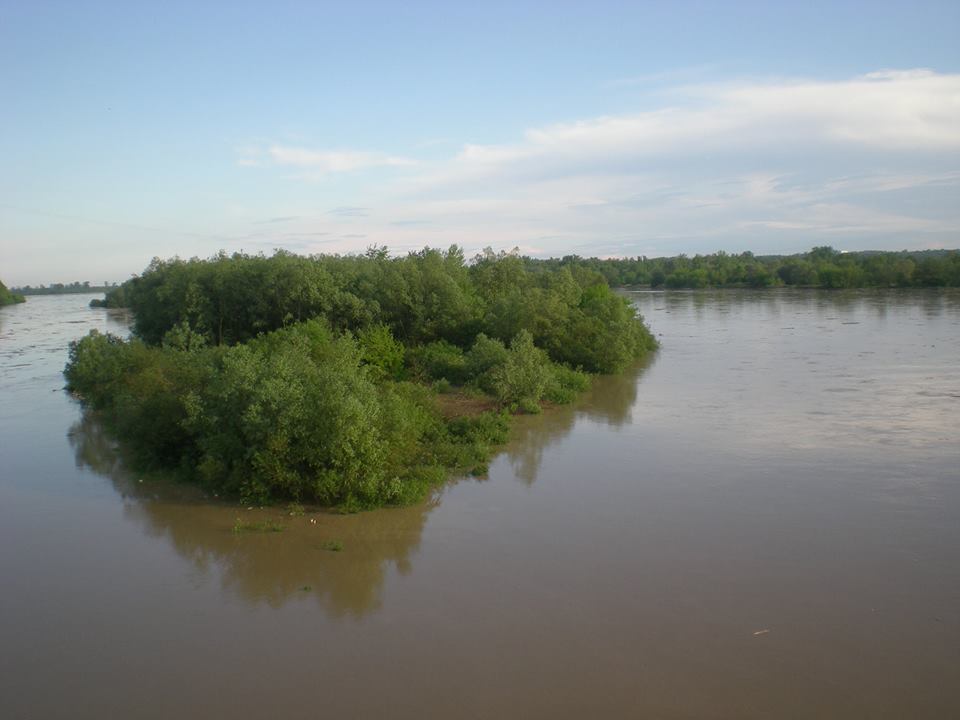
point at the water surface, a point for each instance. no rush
(762, 522)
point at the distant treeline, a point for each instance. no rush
(9, 298)
(822, 267)
(74, 288)
(355, 381)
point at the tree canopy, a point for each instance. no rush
(323, 378)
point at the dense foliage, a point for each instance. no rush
(822, 267)
(317, 378)
(425, 297)
(9, 298)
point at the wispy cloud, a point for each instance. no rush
(770, 164)
(916, 110)
(349, 211)
(281, 219)
(333, 161)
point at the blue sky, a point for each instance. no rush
(129, 130)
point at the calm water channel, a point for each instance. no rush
(762, 522)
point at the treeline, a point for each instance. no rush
(9, 298)
(74, 288)
(355, 381)
(822, 267)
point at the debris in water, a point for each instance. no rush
(761, 632)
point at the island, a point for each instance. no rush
(350, 381)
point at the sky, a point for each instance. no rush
(132, 130)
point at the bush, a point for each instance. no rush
(96, 364)
(565, 384)
(524, 377)
(483, 358)
(440, 360)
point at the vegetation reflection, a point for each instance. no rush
(340, 561)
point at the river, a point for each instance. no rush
(762, 521)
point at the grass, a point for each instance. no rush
(264, 526)
(333, 545)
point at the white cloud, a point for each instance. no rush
(784, 164)
(916, 110)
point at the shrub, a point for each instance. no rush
(565, 384)
(440, 359)
(484, 357)
(523, 378)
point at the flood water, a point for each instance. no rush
(764, 521)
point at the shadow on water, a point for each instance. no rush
(300, 561)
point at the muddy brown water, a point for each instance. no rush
(763, 521)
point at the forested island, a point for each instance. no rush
(822, 267)
(9, 298)
(350, 381)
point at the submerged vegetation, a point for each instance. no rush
(822, 267)
(264, 526)
(348, 381)
(9, 298)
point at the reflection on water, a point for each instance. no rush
(826, 303)
(295, 563)
(609, 401)
(263, 567)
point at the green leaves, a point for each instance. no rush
(282, 377)
(524, 377)
(295, 414)
(381, 351)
